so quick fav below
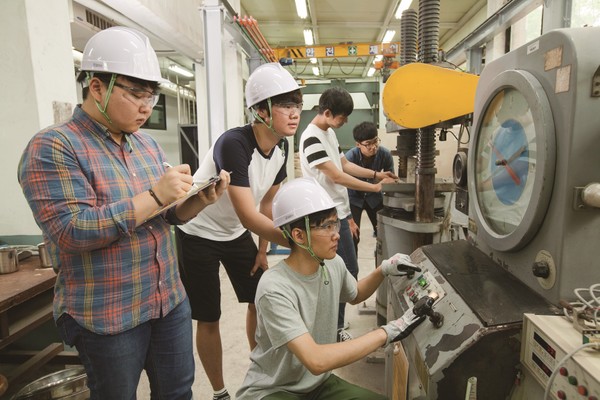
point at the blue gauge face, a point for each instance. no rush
(509, 163)
(505, 163)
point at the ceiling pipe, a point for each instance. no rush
(249, 26)
(258, 34)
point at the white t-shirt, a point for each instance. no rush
(236, 151)
(316, 147)
(289, 305)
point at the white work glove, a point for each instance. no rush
(402, 327)
(398, 264)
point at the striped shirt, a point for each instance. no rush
(317, 147)
(79, 184)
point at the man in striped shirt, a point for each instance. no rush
(92, 183)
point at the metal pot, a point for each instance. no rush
(9, 260)
(68, 384)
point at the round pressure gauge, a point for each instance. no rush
(512, 160)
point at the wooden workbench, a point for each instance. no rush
(25, 304)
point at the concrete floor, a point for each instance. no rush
(236, 352)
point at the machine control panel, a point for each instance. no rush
(422, 284)
(546, 340)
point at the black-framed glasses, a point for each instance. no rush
(328, 228)
(370, 143)
(288, 108)
(138, 96)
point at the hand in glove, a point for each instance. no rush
(398, 264)
(402, 327)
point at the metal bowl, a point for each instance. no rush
(66, 384)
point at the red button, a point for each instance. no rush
(563, 371)
(561, 395)
(582, 390)
(592, 398)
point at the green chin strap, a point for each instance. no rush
(308, 248)
(270, 125)
(113, 78)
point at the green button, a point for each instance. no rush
(572, 380)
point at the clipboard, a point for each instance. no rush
(196, 187)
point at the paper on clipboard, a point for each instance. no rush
(196, 187)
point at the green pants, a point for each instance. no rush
(333, 388)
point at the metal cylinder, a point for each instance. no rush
(425, 181)
(591, 195)
(429, 30)
(405, 147)
(408, 36)
(45, 259)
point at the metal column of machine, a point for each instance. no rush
(415, 209)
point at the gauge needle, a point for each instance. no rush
(516, 155)
(502, 161)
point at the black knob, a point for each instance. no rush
(436, 319)
(541, 269)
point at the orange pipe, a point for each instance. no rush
(250, 26)
(262, 38)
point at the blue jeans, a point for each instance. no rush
(346, 251)
(113, 363)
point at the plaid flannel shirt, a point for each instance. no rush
(79, 183)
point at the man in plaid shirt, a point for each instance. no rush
(92, 183)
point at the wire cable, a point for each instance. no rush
(359, 59)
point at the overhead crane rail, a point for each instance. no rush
(338, 50)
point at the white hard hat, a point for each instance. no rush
(268, 80)
(298, 198)
(123, 51)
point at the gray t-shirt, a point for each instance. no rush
(288, 305)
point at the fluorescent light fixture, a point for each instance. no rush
(180, 70)
(371, 71)
(389, 35)
(404, 5)
(301, 8)
(313, 60)
(308, 37)
(315, 71)
(378, 58)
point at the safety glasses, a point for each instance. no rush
(288, 108)
(140, 97)
(328, 228)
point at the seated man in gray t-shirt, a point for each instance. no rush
(297, 305)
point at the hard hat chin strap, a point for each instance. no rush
(109, 90)
(308, 248)
(270, 124)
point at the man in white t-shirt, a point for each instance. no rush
(255, 155)
(321, 158)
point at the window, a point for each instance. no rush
(158, 119)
